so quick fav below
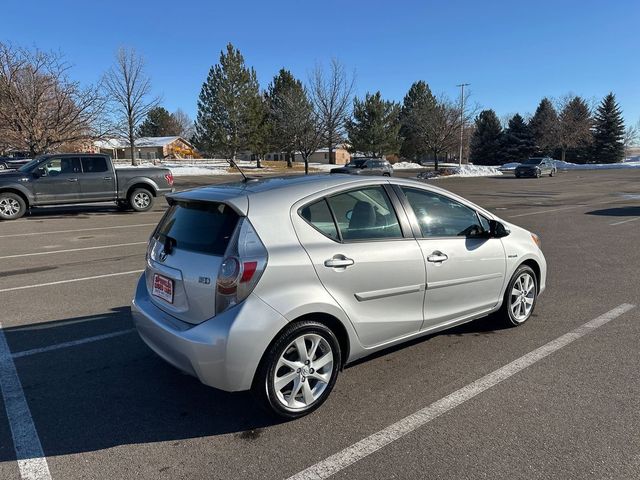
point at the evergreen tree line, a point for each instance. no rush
(292, 117)
(571, 132)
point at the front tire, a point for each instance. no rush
(553, 172)
(299, 370)
(141, 199)
(12, 206)
(520, 297)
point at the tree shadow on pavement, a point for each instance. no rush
(617, 212)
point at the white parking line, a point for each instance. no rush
(72, 250)
(73, 343)
(381, 439)
(78, 230)
(573, 207)
(59, 282)
(31, 460)
(625, 221)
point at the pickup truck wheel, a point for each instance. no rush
(141, 199)
(12, 206)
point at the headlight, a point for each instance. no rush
(536, 240)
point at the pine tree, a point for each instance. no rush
(416, 103)
(516, 145)
(225, 118)
(575, 130)
(159, 123)
(608, 132)
(485, 141)
(544, 126)
(258, 127)
(375, 126)
(283, 95)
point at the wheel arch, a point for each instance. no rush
(18, 192)
(145, 185)
(531, 263)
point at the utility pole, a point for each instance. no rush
(462, 85)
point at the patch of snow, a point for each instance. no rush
(595, 166)
(463, 171)
(407, 166)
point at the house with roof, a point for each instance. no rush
(148, 148)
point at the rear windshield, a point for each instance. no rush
(198, 227)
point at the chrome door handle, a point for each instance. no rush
(437, 257)
(72, 179)
(107, 178)
(339, 261)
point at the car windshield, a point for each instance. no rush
(357, 163)
(532, 161)
(27, 167)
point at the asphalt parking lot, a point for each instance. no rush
(77, 379)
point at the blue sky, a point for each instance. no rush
(512, 52)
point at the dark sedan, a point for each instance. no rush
(536, 167)
(366, 166)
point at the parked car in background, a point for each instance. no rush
(366, 166)
(79, 178)
(275, 284)
(536, 167)
(9, 163)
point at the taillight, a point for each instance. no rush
(243, 265)
(169, 178)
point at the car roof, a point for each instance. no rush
(289, 189)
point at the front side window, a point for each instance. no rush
(365, 214)
(440, 216)
(60, 166)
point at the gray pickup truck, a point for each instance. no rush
(79, 178)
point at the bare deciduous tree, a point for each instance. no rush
(41, 108)
(331, 94)
(436, 126)
(187, 128)
(130, 90)
(631, 138)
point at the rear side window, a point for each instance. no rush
(365, 214)
(198, 226)
(318, 215)
(94, 164)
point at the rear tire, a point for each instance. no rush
(12, 206)
(538, 173)
(520, 297)
(141, 199)
(290, 384)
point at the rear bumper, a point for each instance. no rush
(223, 352)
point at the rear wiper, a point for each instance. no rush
(169, 244)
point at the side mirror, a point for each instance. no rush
(497, 229)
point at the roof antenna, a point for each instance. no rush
(245, 179)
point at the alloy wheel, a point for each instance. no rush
(141, 200)
(9, 207)
(303, 371)
(523, 296)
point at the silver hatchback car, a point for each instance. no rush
(274, 285)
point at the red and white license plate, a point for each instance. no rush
(163, 287)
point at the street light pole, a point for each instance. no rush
(462, 85)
